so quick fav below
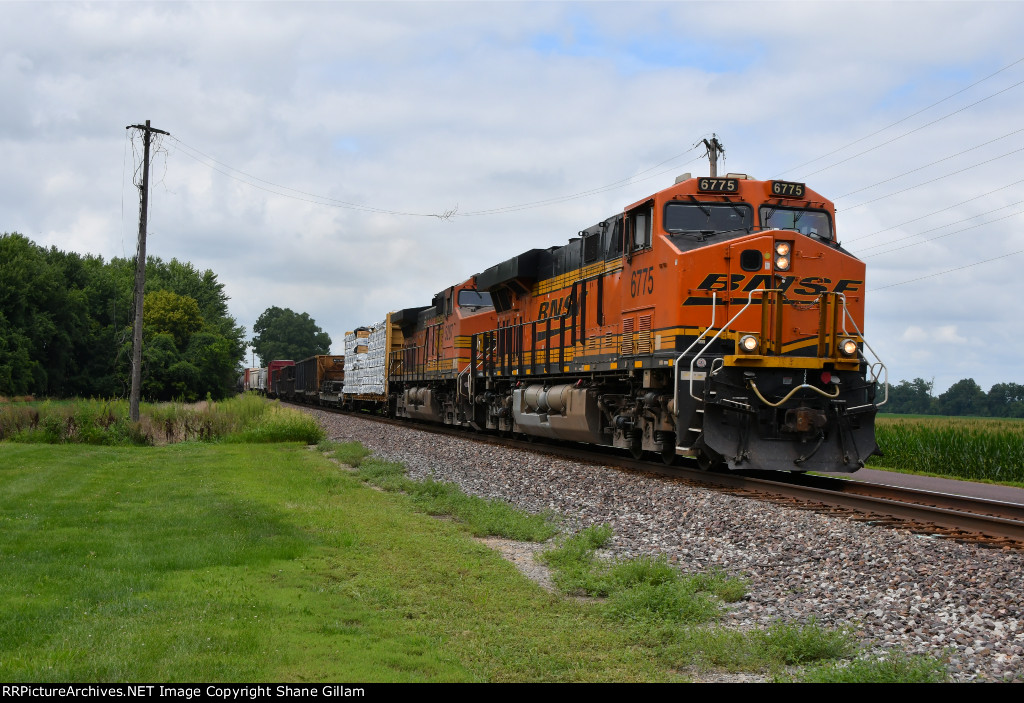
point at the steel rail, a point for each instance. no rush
(947, 514)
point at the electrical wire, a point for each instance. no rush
(948, 224)
(916, 129)
(933, 180)
(935, 212)
(943, 236)
(304, 196)
(612, 186)
(902, 120)
(310, 197)
(124, 171)
(921, 168)
(958, 268)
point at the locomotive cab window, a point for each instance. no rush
(813, 223)
(640, 228)
(474, 300)
(615, 240)
(708, 218)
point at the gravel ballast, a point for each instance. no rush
(895, 588)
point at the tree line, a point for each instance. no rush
(965, 397)
(65, 326)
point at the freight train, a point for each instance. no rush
(718, 319)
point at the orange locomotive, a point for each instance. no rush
(718, 319)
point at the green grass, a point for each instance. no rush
(643, 590)
(245, 562)
(670, 612)
(774, 650)
(253, 563)
(481, 516)
(976, 449)
(894, 667)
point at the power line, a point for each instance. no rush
(901, 120)
(921, 168)
(958, 268)
(948, 234)
(310, 197)
(933, 180)
(916, 129)
(612, 186)
(948, 224)
(936, 212)
(304, 196)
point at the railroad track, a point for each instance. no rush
(988, 522)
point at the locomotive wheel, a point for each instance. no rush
(705, 462)
(668, 452)
(637, 451)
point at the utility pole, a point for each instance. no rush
(140, 269)
(715, 149)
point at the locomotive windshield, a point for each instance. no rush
(474, 299)
(813, 223)
(707, 217)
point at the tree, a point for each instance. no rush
(911, 397)
(173, 314)
(285, 334)
(36, 316)
(65, 325)
(964, 397)
(1006, 400)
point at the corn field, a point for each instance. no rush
(969, 448)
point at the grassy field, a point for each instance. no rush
(976, 449)
(246, 562)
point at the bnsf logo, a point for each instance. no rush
(811, 286)
(565, 305)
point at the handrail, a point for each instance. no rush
(881, 367)
(877, 370)
(458, 380)
(675, 386)
(750, 301)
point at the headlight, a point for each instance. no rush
(748, 343)
(782, 250)
(848, 347)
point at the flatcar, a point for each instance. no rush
(718, 319)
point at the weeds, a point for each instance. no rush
(239, 419)
(791, 644)
(71, 422)
(349, 453)
(643, 590)
(481, 516)
(894, 667)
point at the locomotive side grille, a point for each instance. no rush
(627, 336)
(643, 342)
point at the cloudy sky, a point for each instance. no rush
(313, 145)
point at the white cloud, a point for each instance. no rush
(419, 107)
(914, 334)
(947, 334)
